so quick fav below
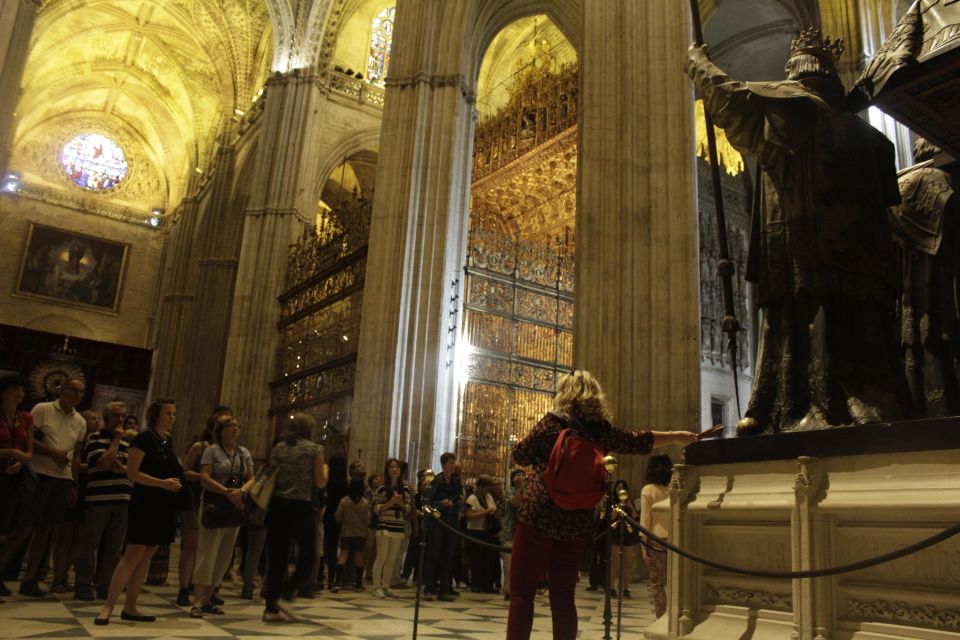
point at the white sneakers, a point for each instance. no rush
(384, 593)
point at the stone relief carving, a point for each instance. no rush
(749, 597)
(923, 614)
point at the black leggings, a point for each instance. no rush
(286, 520)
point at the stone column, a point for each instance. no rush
(17, 18)
(812, 606)
(637, 322)
(278, 211)
(405, 396)
(682, 574)
(215, 248)
(171, 357)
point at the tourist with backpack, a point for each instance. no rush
(556, 512)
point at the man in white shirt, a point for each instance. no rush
(62, 428)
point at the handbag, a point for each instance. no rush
(217, 512)
(257, 497)
(261, 491)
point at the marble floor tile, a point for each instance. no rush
(344, 616)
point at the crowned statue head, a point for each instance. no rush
(812, 55)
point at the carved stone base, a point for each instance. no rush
(808, 513)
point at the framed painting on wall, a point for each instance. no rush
(72, 268)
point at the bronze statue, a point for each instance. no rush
(821, 252)
(926, 232)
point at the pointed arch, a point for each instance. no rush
(351, 144)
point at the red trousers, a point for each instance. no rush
(534, 554)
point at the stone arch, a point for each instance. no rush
(491, 16)
(284, 35)
(62, 324)
(313, 36)
(349, 145)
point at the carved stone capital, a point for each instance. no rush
(811, 478)
(684, 483)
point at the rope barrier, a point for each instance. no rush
(811, 573)
(489, 545)
(791, 575)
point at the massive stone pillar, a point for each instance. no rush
(276, 216)
(17, 18)
(405, 396)
(637, 312)
(172, 357)
(195, 309)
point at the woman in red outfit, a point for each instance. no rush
(16, 450)
(549, 539)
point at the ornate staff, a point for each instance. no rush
(729, 324)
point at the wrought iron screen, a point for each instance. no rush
(320, 323)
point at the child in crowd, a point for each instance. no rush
(353, 514)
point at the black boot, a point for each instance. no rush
(358, 583)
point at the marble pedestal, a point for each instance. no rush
(812, 500)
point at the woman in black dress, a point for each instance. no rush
(156, 472)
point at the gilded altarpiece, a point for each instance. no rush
(517, 330)
(320, 323)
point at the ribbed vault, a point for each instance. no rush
(163, 76)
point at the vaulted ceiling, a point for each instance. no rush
(162, 77)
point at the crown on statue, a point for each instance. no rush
(811, 42)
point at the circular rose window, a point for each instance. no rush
(94, 162)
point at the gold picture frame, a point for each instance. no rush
(72, 268)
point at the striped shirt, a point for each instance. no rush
(393, 517)
(106, 486)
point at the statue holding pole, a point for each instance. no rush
(821, 251)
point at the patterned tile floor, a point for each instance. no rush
(346, 615)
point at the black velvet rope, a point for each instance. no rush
(466, 537)
(811, 573)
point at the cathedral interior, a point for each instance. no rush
(406, 218)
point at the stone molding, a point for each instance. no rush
(218, 262)
(85, 204)
(434, 81)
(272, 212)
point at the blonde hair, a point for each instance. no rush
(579, 392)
